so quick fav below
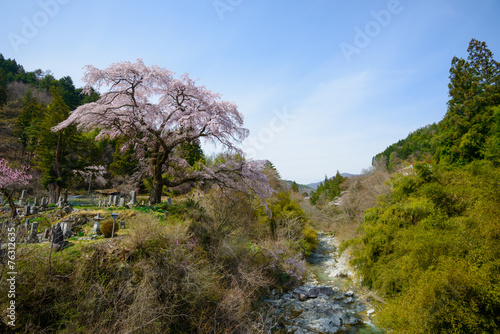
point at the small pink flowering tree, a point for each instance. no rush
(11, 180)
(156, 113)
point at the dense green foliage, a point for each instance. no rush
(192, 152)
(27, 124)
(288, 220)
(432, 248)
(11, 71)
(470, 128)
(416, 147)
(328, 189)
(34, 102)
(58, 154)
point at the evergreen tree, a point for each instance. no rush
(469, 130)
(328, 189)
(27, 123)
(474, 89)
(123, 162)
(192, 152)
(492, 145)
(57, 152)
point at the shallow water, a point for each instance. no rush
(327, 270)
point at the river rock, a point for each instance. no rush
(299, 294)
(313, 293)
(326, 290)
(349, 300)
(316, 307)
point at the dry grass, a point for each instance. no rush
(156, 279)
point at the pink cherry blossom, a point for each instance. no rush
(156, 113)
(11, 180)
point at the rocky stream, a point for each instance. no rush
(328, 302)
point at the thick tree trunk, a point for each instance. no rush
(54, 188)
(156, 192)
(54, 192)
(157, 186)
(13, 211)
(10, 200)
(12, 207)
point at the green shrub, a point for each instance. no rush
(309, 241)
(431, 250)
(107, 227)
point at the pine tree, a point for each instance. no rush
(57, 152)
(192, 152)
(474, 89)
(27, 122)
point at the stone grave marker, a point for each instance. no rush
(33, 232)
(169, 201)
(22, 199)
(44, 202)
(133, 198)
(37, 202)
(27, 210)
(58, 241)
(122, 224)
(110, 200)
(46, 234)
(115, 200)
(122, 201)
(66, 228)
(96, 228)
(97, 224)
(60, 202)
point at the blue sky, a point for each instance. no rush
(323, 85)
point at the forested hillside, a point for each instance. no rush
(30, 105)
(431, 246)
(470, 130)
(327, 190)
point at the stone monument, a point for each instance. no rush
(133, 198)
